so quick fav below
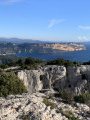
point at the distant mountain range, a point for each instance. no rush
(20, 41)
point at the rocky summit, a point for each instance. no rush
(42, 102)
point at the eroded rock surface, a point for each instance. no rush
(31, 79)
(57, 77)
(18, 106)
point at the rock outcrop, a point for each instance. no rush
(76, 79)
(31, 79)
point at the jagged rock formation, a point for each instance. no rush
(18, 106)
(57, 77)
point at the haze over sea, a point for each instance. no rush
(80, 56)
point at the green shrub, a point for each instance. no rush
(79, 99)
(61, 61)
(45, 97)
(11, 84)
(86, 63)
(67, 113)
(83, 98)
(49, 103)
(73, 118)
(3, 66)
(26, 117)
(20, 62)
(66, 95)
(30, 61)
(51, 96)
(84, 76)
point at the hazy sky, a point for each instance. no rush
(60, 20)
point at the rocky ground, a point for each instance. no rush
(40, 106)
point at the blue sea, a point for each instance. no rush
(80, 56)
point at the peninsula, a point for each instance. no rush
(13, 48)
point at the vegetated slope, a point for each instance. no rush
(9, 59)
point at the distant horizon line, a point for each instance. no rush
(39, 40)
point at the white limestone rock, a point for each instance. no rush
(57, 77)
(13, 107)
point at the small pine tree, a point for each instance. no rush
(11, 84)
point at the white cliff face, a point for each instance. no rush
(74, 79)
(18, 106)
(85, 69)
(57, 77)
(53, 74)
(31, 79)
(23, 76)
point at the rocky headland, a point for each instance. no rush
(12, 48)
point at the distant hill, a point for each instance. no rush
(20, 41)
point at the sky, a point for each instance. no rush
(53, 20)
